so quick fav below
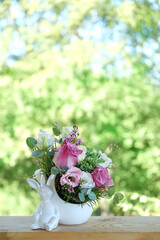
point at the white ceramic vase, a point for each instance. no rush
(70, 214)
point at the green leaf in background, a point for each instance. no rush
(56, 131)
(55, 170)
(38, 153)
(31, 142)
(117, 198)
(81, 196)
(92, 196)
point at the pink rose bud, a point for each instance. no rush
(67, 155)
(71, 177)
(101, 177)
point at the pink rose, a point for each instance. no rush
(67, 155)
(71, 177)
(101, 177)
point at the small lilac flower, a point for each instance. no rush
(75, 127)
(71, 190)
(38, 160)
(79, 141)
(65, 140)
(56, 149)
(72, 134)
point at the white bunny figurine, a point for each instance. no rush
(47, 215)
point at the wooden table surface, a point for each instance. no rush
(97, 228)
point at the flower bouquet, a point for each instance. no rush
(70, 178)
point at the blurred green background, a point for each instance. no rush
(94, 63)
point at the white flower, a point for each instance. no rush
(38, 175)
(87, 180)
(82, 156)
(45, 139)
(66, 131)
(108, 161)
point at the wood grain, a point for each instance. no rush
(97, 228)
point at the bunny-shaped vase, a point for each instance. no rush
(47, 215)
(70, 213)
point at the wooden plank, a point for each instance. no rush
(97, 228)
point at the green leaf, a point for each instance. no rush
(108, 197)
(84, 191)
(118, 197)
(51, 154)
(56, 131)
(81, 196)
(58, 123)
(92, 196)
(111, 191)
(31, 142)
(57, 140)
(89, 190)
(64, 169)
(55, 170)
(38, 153)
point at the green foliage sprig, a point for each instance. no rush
(43, 156)
(91, 160)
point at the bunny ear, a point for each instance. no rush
(43, 180)
(33, 183)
